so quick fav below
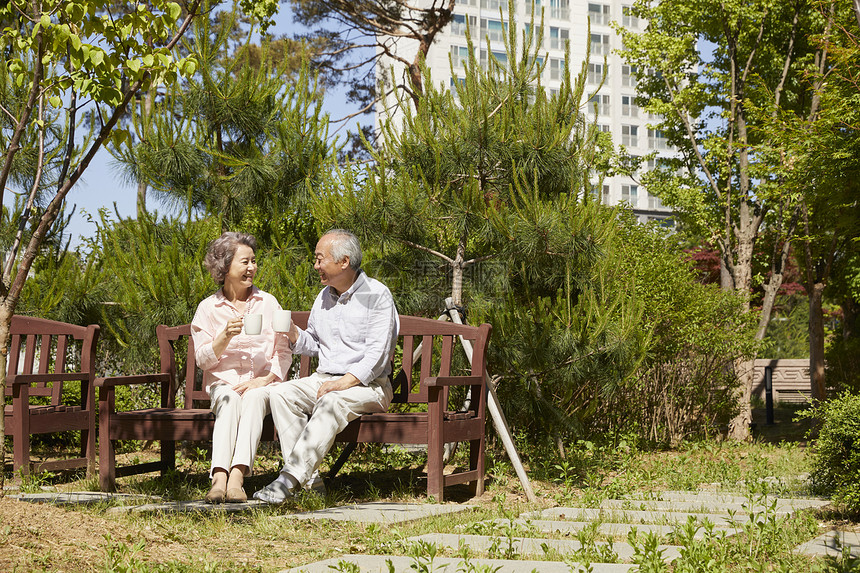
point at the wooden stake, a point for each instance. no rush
(496, 412)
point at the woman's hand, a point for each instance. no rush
(223, 338)
(258, 382)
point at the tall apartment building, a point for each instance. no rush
(564, 21)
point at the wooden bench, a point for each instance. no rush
(420, 412)
(43, 356)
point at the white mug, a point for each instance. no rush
(281, 320)
(253, 323)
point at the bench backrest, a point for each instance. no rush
(42, 346)
(426, 345)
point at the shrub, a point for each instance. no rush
(836, 452)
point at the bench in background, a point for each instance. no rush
(44, 356)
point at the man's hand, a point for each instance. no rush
(342, 383)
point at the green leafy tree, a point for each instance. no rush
(727, 182)
(824, 169)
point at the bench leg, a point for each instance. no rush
(21, 430)
(476, 462)
(168, 456)
(107, 463)
(341, 459)
(21, 452)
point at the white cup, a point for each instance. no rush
(253, 323)
(281, 320)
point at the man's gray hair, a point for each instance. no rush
(345, 244)
(219, 257)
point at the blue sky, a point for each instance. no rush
(102, 184)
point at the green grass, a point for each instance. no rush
(261, 540)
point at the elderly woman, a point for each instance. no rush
(234, 362)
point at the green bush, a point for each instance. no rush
(836, 452)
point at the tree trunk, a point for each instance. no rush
(5, 321)
(739, 427)
(816, 341)
(457, 269)
(850, 313)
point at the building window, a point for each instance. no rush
(559, 9)
(458, 25)
(493, 29)
(599, 14)
(656, 139)
(600, 192)
(599, 44)
(630, 135)
(602, 103)
(603, 127)
(628, 20)
(534, 34)
(556, 68)
(654, 202)
(501, 58)
(558, 38)
(629, 107)
(628, 76)
(459, 56)
(496, 5)
(472, 3)
(630, 194)
(595, 73)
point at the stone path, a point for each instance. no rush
(531, 542)
(559, 539)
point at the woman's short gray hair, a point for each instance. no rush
(345, 244)
(219, 257)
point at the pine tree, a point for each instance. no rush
(244, 139)
(482, 194)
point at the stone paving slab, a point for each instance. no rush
(831, 543)
(532, 546)
(609, 529)
(81, 497)
(193, 506)
(717, 498)
(632, 516)
(698, 506)
(381, 512)
(379, 564)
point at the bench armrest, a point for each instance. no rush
(27, 379)
(439, 381)
(114, 381)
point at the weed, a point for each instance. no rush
(844, 563)
(123, 558)
(345, 567)
(422, 554)
(35, 482)
(646, 552)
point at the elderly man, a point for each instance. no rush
(352, 328)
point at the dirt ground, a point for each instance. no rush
(37, 536)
